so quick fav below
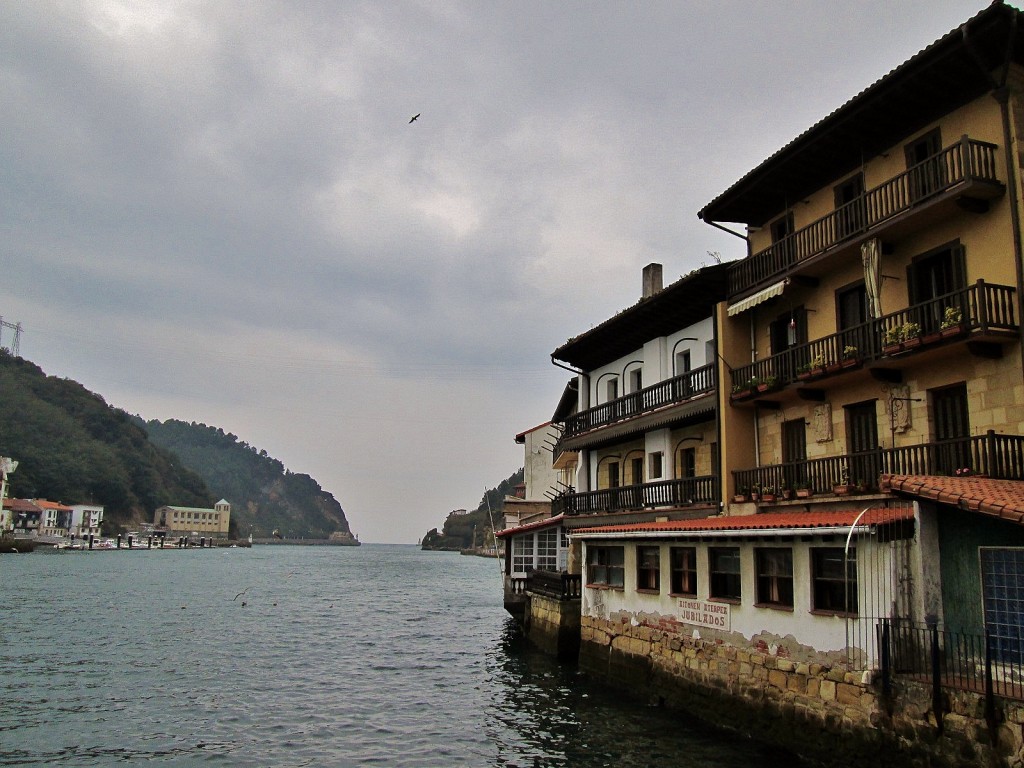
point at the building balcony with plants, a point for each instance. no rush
(982, 317)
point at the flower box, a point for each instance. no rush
(891, 349)
(841, 489)
(804, 493)
(767, 498)
(739, 498)
(913, 341)
(952, 330)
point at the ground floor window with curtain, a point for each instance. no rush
(684, 571)
(774, 577)
(833, 590)
(606, 566)
(648, 568)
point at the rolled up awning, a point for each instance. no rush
(753, 300)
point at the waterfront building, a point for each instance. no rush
(828, 547)
(24, 515)
(86, 519)
(176, 521)
(55, 518)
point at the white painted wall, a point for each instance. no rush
(538, 473)
(823, 633)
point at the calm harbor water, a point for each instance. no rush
(377, 655)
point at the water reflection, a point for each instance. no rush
(550, 714)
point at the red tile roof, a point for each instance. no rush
(999, 498)
(766, 521)
(545, 523)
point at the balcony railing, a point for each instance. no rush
(991, 454)
(664, 493)
(983, 308)
(556, 585)
(966, 161)
(699, 381)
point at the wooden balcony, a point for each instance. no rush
(695, 383)
(964, 172)
(664, 493)
(987, 317)
(994, 455)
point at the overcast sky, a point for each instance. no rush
(219, 211)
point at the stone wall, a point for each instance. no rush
(818, 710)
(553, 625)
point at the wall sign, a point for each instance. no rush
(706, 614)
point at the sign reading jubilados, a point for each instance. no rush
(714, 615)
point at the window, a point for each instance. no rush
(1002, 586)
(648, 568)
(849, 200)
(656, 461)
(612, 389)
(612, 474)
(682, 362)
(547, 550)
(926, 171)
(605, 566)
(828, 580)
(636, 380)
(636, 466)
(951, 428)
(725, 572)
(687, 462)
(522, 553)
(775, 577)
(684, 570)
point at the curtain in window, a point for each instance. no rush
(870, 253)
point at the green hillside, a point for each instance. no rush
(264, 495)
(71, 446)
(460, 530)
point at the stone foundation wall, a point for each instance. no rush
(554, 625)
(818, 710)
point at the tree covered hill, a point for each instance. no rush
(264, 495)
(460, 529)
(71, 446)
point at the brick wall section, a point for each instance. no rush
(814, 709)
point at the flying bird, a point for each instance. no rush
(414, 117)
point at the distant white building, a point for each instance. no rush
(86, 519)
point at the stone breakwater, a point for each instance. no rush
(817, 709)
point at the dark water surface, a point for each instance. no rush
(377, 655)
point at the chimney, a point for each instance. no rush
(652, 280)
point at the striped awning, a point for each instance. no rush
(753, 300)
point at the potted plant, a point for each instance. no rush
(741, 496)
(911, 334)
(768, 382)
(755, 492)
(842, 488)
(850, 356)
(768, 494)
(892, 339)
(786, 491)
(804, 491)
(951, 318)
(803, 371)
(816, 366)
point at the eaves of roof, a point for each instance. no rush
(769, 523)
(945, 75)
(535, 526)
(987, 496)
(683, 303)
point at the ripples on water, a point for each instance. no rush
(377, 655)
